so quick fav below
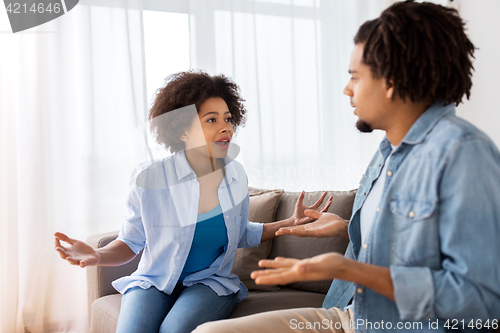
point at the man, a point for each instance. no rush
(426, 215)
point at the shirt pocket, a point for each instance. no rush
(414, 238)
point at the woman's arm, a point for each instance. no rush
(81, 254)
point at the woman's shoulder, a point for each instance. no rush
(150, 174)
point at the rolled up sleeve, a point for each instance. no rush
(413, 291)
(466, 287)
(132, 230)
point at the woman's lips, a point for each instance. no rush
(222, 144)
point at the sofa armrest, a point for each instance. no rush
(99, 278)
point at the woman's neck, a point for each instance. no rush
(202, 164)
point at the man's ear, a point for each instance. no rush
(389, 85)
(184, 137)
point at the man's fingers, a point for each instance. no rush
(277, 263)
(312, 213)
(263, 272)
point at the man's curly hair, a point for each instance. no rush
(187, 88)
(423, 48)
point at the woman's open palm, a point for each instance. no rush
(78, 253)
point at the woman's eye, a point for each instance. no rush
(229, 119)
(211, 120)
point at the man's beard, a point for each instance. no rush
(363, 126)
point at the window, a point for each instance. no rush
(166, 39)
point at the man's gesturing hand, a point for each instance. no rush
(327, 224)
(282, 271)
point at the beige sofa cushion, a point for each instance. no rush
(306, 247)
(263, 205)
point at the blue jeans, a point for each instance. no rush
(153, 311)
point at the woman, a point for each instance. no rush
(187, 212)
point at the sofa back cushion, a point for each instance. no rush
(306, 247)
(263, 205)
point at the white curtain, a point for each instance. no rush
(71, 92)
(290, 58)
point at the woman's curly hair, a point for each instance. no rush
(423, 48)
(187, 88)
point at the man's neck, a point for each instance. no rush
(405, 116)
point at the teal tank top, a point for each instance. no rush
(210, 238)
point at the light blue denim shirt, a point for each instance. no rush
(437, 229)
(161, 220)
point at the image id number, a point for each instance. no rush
(18, 8)
(455, 324)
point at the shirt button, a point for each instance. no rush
(227, 217)
(365, 246)
(389, 173)
(411, 214)
(360, 290)
(378, 209)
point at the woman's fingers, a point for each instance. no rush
(327, 205)
(319, 201)
(64, 238)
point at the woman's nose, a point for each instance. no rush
(226, 128)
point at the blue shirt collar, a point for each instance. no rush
(424, 124)
(183, 169)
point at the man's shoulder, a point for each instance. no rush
(451, 131)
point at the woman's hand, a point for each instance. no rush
(299, 217)
(78, 253)
(326, 225)
(283, 271)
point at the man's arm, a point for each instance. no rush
(298, 218)
(326, 225)
(326, 266)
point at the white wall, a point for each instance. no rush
(483, 24)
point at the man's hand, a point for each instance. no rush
(327, 224)
(299, 217)
(283, 271)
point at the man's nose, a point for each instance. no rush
(347, 90)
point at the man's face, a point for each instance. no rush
(370, 96)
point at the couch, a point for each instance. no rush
(265, 206)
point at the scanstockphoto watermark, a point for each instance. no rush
(449, 324)
(326, 324)
(26, 14)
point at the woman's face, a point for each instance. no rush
(212, 138)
